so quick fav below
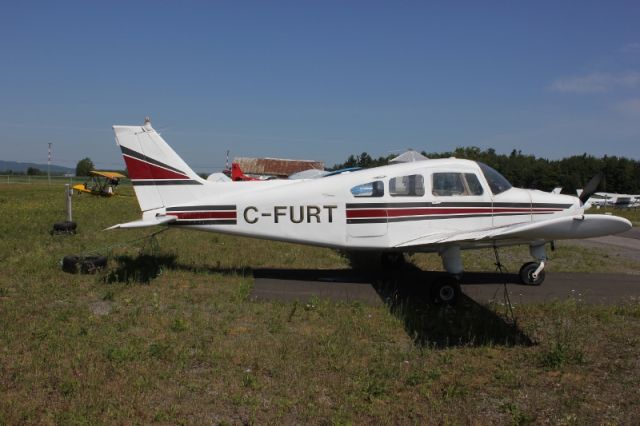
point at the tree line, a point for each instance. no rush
(83, 168)
(621, 174)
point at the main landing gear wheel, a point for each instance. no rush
(445, 293)
(527, 271)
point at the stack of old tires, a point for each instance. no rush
(64, 228)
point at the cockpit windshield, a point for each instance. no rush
(496, 181)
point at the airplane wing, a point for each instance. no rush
(145, 222)
(580, 226)
(110, 175)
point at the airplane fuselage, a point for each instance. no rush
(345, 211)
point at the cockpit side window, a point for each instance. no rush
(369, 189)
(407, 186)
(496, 181)
(453, 183)
(475, 188)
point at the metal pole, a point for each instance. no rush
(49, 164)
(69, 191)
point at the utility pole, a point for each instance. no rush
(49, 164)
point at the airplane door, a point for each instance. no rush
(459, 201)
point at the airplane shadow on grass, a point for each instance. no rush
(406, 293)
(143, 268)
(140, 269)
(467, 323)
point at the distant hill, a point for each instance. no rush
(18, 167)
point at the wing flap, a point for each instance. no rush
(441, 237)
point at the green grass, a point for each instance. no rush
(168, 335)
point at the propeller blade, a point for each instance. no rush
(591, 187)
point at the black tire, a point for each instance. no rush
(393, 260)
(70, 264)
(91, 264)
(64, 228)
(445, 293)
(526, 274)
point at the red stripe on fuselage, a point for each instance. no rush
(139, 169)
(369, 213)
(205, 215)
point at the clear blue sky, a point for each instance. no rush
(319, 80)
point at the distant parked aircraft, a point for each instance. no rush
(612, 199)
(101, 183)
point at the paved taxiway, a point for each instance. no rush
(347, 285)
(626, 244)
(343, 285)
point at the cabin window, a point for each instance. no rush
(453, 183)
(369, 189)
(407, 186)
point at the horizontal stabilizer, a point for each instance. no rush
(143, 223)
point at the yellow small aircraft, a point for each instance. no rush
(101, 183)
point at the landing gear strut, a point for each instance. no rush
(532, 273)
(447, 292)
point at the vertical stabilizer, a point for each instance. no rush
(159, 176)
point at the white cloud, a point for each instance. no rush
(629, 107)
(597, 82)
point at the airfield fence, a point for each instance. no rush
(54, 180)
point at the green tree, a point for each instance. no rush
(33, 171)
(84, 167)
(528, 171)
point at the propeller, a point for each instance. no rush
(591, 187)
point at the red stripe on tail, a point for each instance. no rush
(142, 170)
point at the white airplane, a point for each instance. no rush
(436, 205)
(611, 199)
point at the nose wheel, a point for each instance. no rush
(532, 273)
